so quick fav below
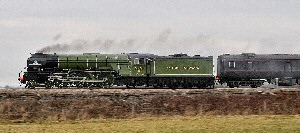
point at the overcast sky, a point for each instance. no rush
(205, 27)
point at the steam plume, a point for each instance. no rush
(164, 44)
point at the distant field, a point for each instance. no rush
(166, 124)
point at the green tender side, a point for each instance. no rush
(117, 62)
(199, 67)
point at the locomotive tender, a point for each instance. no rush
(106, 70)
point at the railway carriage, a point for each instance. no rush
(249, 69)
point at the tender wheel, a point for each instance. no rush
(130, 87)
(236, 84)
(79, 85)
(173, 86)
(155, 86)
(258, 84)
(200, 86)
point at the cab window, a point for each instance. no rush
(142, 60)
(136, 61)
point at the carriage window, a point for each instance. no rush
(231, 64)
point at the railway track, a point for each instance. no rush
(121, 92)
(64, 104)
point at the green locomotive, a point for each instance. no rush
(106, 70)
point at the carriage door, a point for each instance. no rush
(250, 66)
(288, 67)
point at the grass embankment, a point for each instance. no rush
(168, 124)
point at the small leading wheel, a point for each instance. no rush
(30, 84)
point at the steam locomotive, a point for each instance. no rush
(94, 70)
(91, 70)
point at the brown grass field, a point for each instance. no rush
(63, 105)
(164, 124)
(149, 111)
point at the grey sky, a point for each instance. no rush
(154, 26)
